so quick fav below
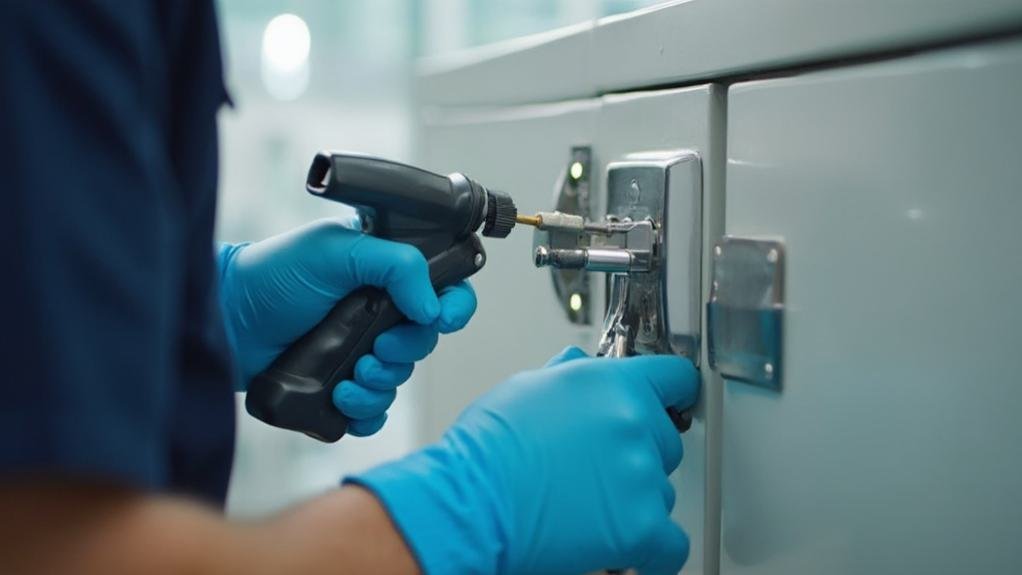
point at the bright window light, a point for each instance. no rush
(285, 56)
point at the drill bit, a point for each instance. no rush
(554, 221)
(534, 221)
(561, 222)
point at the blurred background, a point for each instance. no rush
(313, 74)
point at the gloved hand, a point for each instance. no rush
(274, 291)
(558, 470)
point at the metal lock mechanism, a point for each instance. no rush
(571, 200)
(654, 216)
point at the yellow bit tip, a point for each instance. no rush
(535, 221)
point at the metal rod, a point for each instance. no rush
(592, 259)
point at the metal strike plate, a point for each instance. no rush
(658, 311)
(571, 196)
(745, 313)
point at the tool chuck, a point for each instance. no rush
(501, 215)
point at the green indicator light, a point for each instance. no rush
(576, 170)
(575, 302)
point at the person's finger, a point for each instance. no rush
(405, 343)
(569, 353)
(366, 427)
(667, 552)
(674, 379)
(372, 373)
(457, 304)
(400, 269)
(357, 402)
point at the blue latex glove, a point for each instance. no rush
(558, 470)
(276, 290)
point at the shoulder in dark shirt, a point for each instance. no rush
(113, 353)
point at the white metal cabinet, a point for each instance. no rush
(894, 444)
(696, 40)
(555, 63)
(519, 324)
(689, 118)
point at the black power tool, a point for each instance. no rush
(437, 214)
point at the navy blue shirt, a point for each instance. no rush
(113, 357)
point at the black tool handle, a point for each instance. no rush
(296, 391)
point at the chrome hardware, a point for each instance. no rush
(745, 313)
(628, 247)
(654, 208)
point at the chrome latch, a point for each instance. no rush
(744, 316)
(654, 216)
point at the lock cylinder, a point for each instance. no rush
(610, 246)
(612, 260)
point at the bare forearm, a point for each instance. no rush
(346, 531)
(70, 529)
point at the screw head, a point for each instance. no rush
(772, 255)
(718, 251)
(480, 259)
(768, 370)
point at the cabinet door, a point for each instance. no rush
(519, 323)
(690, 118)
(893, 445)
